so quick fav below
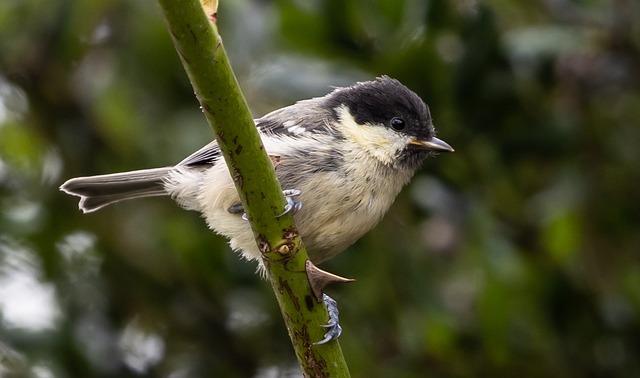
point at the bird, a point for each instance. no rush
(341, 160)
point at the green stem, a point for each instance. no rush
(206, 63)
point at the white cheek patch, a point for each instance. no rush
(377, 140)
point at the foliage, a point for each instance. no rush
(517, 255)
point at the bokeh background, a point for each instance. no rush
(518, 255)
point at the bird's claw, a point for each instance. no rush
(292, 205)
(334, 330)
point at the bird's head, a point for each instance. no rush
(387, 120)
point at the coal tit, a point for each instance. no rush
(349, 153)
(346, 155)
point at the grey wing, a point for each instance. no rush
(303, 117)
(207, 155)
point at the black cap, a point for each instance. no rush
(386, 101)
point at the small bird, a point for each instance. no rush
(344, 156)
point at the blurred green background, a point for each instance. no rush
(516, 256)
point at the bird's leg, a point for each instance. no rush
(292, 205)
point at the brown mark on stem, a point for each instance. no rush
(316, 366)
(237, 177)
(290, 233)
(193, 34)
(289, 246)
(263, 245)
(284, 287)
(309, 302)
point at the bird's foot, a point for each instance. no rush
(318, 279)
(333, 326)
(292, 205)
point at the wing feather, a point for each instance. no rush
(303, 117)
(207, 155)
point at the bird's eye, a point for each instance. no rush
(397, 123)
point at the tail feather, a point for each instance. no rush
(96, 192)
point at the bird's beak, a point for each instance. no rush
(433, 144)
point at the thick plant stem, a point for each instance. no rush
(205, 61)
